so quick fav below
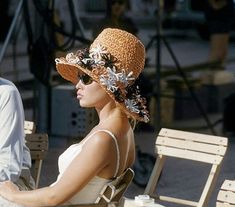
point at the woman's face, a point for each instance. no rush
(91, 94)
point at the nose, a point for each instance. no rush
(78, 85)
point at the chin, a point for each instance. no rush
(85, 105)
(82, 104)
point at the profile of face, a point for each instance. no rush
(90, 93)
(118, 7)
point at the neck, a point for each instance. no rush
(110, 111)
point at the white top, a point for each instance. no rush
(14, 155)
(91, 191)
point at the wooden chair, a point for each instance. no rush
(38, 145)
(226, 195)
(190, 146)
(112, 192)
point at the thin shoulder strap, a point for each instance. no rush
(117, 148)
(115, 141)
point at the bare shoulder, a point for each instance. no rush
(100, 140)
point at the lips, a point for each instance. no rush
(79, 95)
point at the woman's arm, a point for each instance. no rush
(92, 159)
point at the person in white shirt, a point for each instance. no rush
(15, 160)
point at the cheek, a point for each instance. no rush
(94, 96)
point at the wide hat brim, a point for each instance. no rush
(70, 72)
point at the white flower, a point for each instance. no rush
(109, 83)
(97, 52)
(131, 105)
(123, 78)
(112, 73)
(71, 58)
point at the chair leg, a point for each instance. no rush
(38, 167)
(210, 184)
(151, 186)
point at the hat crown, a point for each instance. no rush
(125, 47)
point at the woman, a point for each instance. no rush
(104, 76)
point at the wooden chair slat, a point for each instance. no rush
(189, 155)
(228, 185)
(204, 138)
(191, 145)
(226, 196)
(38, 155)
(37, 145)
(39, 137)
(178, 200)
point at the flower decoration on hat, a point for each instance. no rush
(125, 78)
(97, 53)
(132, 105)
(118, 82)
(110, 80)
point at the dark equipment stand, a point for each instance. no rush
(158, 38)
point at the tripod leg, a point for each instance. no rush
(150, 43)
(194, 96)
(13, 24)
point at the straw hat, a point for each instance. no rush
(114, 60)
